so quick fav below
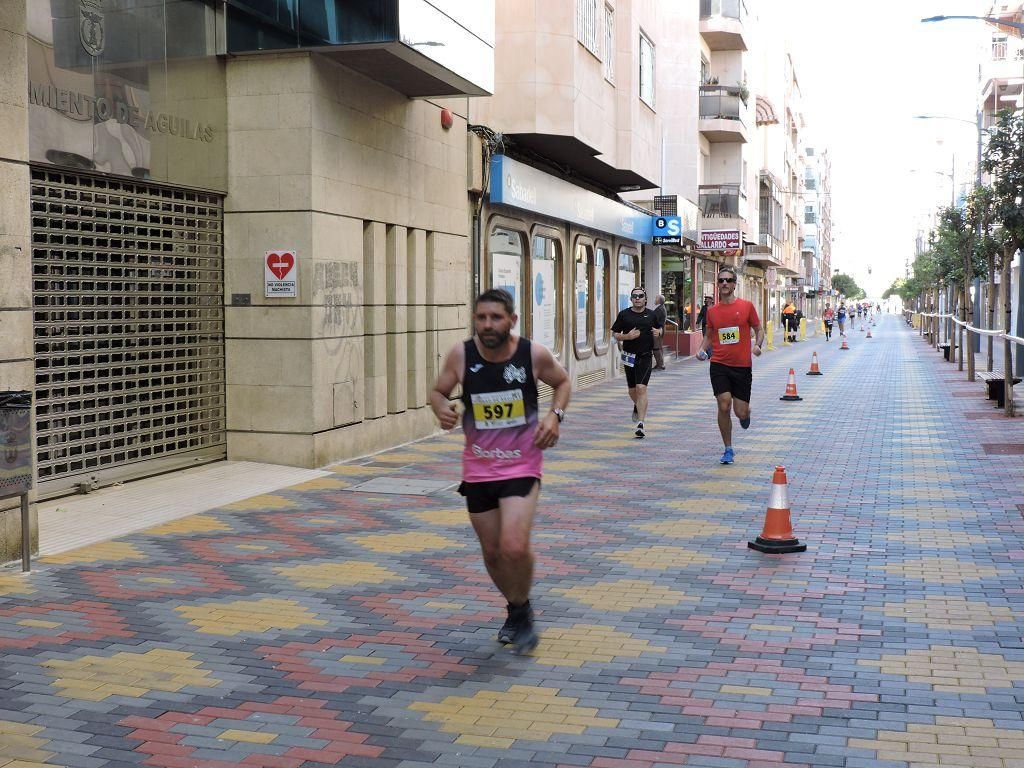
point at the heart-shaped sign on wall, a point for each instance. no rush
(280, 272)
(280, 263)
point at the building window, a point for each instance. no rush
(587, 26)
(506, 251)
(705, 71)
(584, 296)
(809, 216)
(601, 274)
(810, 183)
(609, 44)
(629, 276)
(998, 47)
(810, 152)
(544, 292)
(646, 71)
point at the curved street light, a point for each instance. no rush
(1019, 26)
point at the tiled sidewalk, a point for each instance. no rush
(315, 626)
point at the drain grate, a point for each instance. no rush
(1003, 449)
(402, 486)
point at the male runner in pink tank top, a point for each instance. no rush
(505, 434)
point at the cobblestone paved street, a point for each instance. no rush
(317, 626)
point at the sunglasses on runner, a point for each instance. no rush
(638, 296)
(727, 279)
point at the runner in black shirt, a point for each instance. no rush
(635, 329)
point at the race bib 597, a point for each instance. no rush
(499, 410)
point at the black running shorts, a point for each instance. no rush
(735, 381)
(640, 371)
(485, 496)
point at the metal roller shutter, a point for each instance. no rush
(128, 327)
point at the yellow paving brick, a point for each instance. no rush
(745, 690)
(400, 543)
(256, 616)
(108, 551)
(625, 595)
(249, 737)
(262, 502)
(94, 678)
(330, 575)
(485, 741)
(186, 525)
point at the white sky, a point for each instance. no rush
(865, 68)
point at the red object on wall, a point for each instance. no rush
(446, 119)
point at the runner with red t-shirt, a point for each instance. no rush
(827, 317)
(727, 335)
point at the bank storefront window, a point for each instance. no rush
(601, 324)
(544, 287)
(629, 276)
(584, 263)
(505, 247)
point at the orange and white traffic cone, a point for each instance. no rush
(869, 336)
(862, 327)
(844, 345)
(777, 536)
(815, 370)
(791, 388)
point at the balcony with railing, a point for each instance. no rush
(726, 201)
(722, 109)
(722, 24)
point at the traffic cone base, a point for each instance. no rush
(869, 336)
(777, 537)
(791, 394)
(845, 345)
(776, 547)
(815, 370)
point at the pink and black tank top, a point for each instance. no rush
(500, 417)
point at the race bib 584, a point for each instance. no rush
(729, 335)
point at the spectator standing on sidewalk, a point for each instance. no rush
(702, 316)
(505, 434)
(728, 336)
(660, 315)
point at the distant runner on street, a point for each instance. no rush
(636, 328)
(505, 434)
(728, 332)
(827, 317)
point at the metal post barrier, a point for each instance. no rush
(769, 334)
(16, 467)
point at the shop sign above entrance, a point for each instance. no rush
(668, 230)
(280, 273)
(720, 240)
(521, 186)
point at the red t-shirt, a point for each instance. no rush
(729, 326)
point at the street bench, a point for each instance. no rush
(947, 350)
(996, 383)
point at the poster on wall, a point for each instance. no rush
(581, 302)
(626, 285)
(280, 275)
(544, 298)
(599, 321)
(507, 273)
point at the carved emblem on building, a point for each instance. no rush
(91, 29)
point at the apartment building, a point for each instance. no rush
(575, 126)
(817, 228)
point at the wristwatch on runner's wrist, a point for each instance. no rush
(559, 413)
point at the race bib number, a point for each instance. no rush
(729, 335)
(628, 359)
(499, 410)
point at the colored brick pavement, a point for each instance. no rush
(316, 626)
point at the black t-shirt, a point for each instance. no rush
(645, 321)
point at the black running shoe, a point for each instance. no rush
(526, 637)
(508, 629)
